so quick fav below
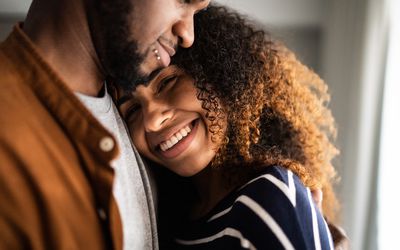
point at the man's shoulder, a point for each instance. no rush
(16, 63)
(8, 65)
(12, 81)
(16, 93)
(16, 101)
(23, 114)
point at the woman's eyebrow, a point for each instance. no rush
(152, 76)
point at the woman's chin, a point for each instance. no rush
(186, 173)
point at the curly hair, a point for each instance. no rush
(275, 107)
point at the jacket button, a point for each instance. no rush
(106, 144)
(102, 214)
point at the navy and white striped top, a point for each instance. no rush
(273, 211)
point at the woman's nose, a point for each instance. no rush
(156, 116)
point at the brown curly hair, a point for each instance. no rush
(275, 107)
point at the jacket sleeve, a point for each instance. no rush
(16, 210)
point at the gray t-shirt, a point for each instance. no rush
(128, 186)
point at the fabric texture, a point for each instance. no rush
(128, 188)
(272, 211)
(56, 178)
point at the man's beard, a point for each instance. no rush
(123, 62)
(118, 52)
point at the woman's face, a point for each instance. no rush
(168, 124)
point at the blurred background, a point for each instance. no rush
(355, 46)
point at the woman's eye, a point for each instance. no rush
(131, 111)
(165, 82)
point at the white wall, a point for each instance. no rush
(298, 23)
(14, 7)
(282, 13)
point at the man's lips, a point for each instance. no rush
(165, 52)
(168, 48)
(165, 58)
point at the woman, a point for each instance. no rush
(243, 126)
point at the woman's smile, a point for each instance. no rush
(179, 141)
(168, 124)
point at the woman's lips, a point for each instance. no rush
(181, 145)
(175, 138)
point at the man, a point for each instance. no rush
(69, 177)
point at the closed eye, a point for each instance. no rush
(165, 82)
(132, 111)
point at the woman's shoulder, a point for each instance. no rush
(273, 210)
(277, 200)
(272, 181)
(278, 192)
(277, 171)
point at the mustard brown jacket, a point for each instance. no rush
(55, 174)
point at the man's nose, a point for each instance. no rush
(184, 30)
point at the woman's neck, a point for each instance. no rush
(211, 187)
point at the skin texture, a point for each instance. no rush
(159, 110)
(89, 41)
(132, 34)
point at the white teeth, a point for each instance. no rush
(183, 132)
(175, 138)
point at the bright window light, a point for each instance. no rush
(389, 163)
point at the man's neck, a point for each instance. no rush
(60, 31)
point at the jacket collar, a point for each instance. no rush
(72, 115)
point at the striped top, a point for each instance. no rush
(273, 211)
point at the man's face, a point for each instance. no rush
(135, 37)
